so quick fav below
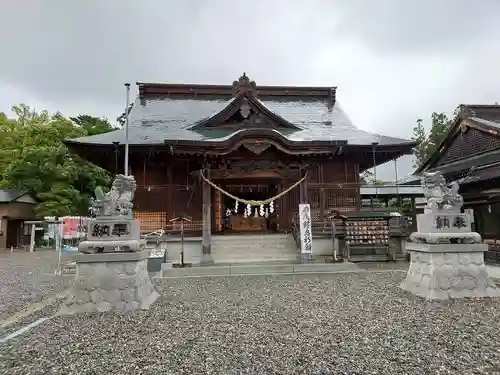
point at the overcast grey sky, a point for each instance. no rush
(393, 60)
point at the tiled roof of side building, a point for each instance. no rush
(156, 119)
(482, 173)
(9, 195)
(482, 111)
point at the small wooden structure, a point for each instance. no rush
(16, 206)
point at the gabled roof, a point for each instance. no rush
(176, 113)
(15, 195)
(477, 119)
(246, 104)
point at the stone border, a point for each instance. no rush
(117, 256)
(446, 248)
(261, 269)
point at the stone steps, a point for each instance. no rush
(253, 248)
(259, 269)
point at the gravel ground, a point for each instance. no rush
(27, 278)
(295, 324)
(47, 311)
(382, 266)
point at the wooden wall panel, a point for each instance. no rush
(17, 210)
(313, 174)
(149, 173)
(339, 172)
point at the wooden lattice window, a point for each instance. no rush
(151, 221)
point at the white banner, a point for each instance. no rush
(305, 228)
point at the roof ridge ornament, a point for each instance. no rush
(244, 85)
(465, 111)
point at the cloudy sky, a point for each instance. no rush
(394, 61)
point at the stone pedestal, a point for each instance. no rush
(116, 281)
(306, 258)
(112, 233)
(207, 259)
(448, 271)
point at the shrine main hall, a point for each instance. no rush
(239, 159)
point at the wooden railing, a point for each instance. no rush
(319, 229)
(324, 199)
(156, 205)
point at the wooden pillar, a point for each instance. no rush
(281, 208)
(303, 187)
(206, 244)
(359, 197)
(169, 214)
(322, 203)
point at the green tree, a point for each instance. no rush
(428, 142)
(9, 138)
(33, 157)
(93, 125)
(368, 178)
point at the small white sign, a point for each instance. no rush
(305, 228)
(157, 253)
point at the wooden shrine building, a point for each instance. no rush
(470, 154)
(251, 142)
(16, 206)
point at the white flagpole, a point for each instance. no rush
(127, 87)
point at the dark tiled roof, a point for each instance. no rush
(9, 195)
(156, 119)
(486, 172)
(484, 112)
(483, 118)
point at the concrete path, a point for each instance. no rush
(493, 271)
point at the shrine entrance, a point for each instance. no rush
(241, 218)
(253, 195)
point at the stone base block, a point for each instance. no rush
(110, 282)
(207, 259)
(442, 272)
(306, 258)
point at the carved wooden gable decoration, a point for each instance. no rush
(256, 168)
(245, 111)
(257, 147)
